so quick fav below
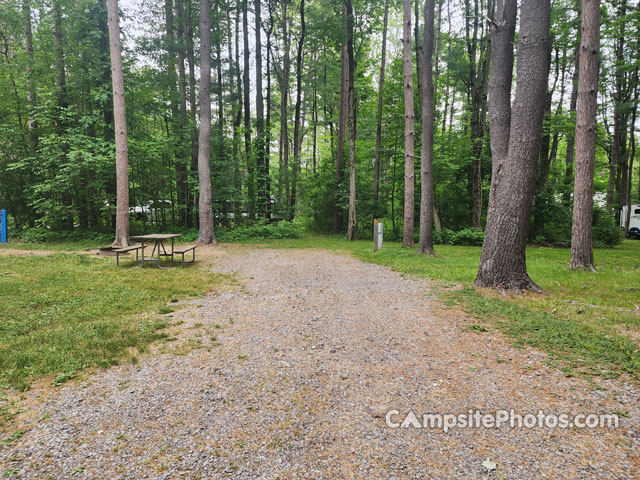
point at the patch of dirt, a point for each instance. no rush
(291, 374)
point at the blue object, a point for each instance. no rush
(3, 226)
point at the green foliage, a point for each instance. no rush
(469, 237)
(557, 228)
(43, 235)
(282, 229)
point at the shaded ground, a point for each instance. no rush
(291, 376)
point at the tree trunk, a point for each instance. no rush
(120, 119)
(425, 244)
(206, 234)
(193, 107)
(351, 224)
(503, 259)
(502, 35)
(376, 162)
(30, 84)
(581, 232)
(342, 129)
(251, 181)
(259, 146)
(297, 130)
(285, 181)
(409, 132)
(183, 150)
(618, 147)
(571, 139)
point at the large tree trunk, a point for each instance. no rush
(425, 244)
(409, 132)
(503, 259)
(297, 128)
(376, 162)
(351, 224)
(581, 232)
(120, 119)
(206, 234)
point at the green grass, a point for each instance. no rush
(585, 321)
(62, 313)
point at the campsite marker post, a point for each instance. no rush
(3, 226)
(377, 235)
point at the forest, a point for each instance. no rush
(479, 122)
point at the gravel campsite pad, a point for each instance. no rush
(291, 375)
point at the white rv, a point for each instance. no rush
(635, 217)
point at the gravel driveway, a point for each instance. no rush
(291, 376)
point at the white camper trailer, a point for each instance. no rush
(634, 222)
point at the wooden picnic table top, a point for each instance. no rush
(157, 236)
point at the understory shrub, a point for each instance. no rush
(469, 237)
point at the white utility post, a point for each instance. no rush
(377, 235)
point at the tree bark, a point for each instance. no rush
(30, 84)
(183, 149)
(499, 105)
(342, 129)
(425, 244)
(409, 126)
(251, 181)
(285, 180)
(581, 232)
(351, 224)
(297, 128)
(120, 119)
(503, 258)
(259, 146)
(206, 233)
(376, 162)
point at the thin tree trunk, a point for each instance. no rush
(632, 155)
(206, 234)
(409, 133)
(120, 118)
(351, 224)
(30, 84)
(297, 133)
(193, 108)
(571, 139)
(619, 117)
(342, 129)
(260, 140)
(376, 162)
(425, 244)
(183, 156)
(251, 181)
(285, 180)
(503, 259)
(581, 232)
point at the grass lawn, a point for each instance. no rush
(62, 313)
(589, 323)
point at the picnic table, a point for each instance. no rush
(159, 247)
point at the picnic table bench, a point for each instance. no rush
(128, 249)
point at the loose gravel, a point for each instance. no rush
(291, 374)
